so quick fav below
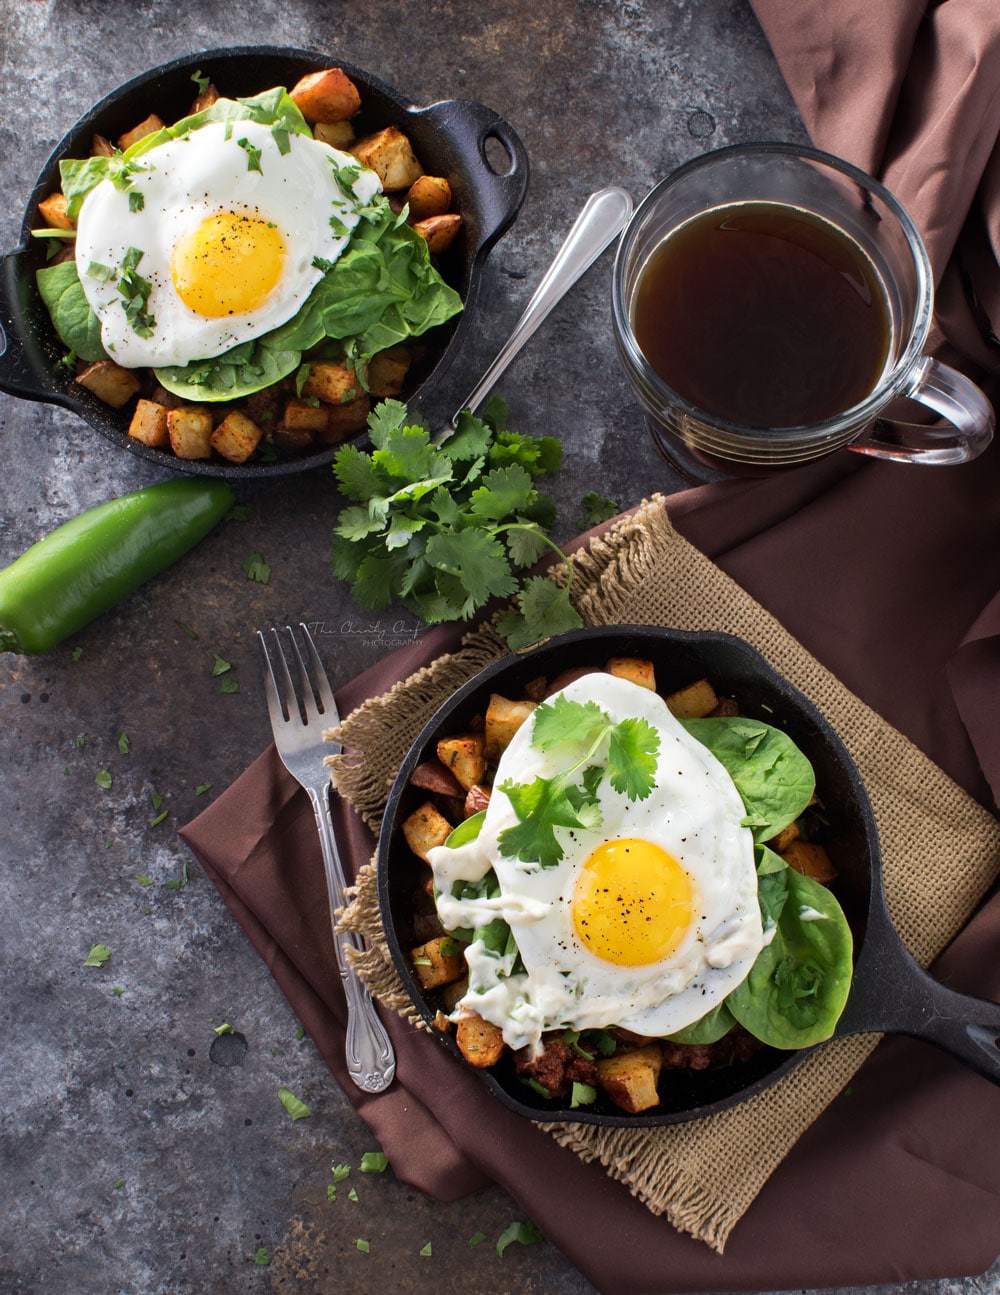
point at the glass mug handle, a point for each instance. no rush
(969, 415)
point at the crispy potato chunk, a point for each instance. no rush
(346, 420)
(503, 718)
(149, 424)
(785, 837)
(387, 371)
(236, 437)
(204, 100)
(635, 669)
(452, 993)
(148, 127)
(811, 860)
(431, 775)
(424, 829)
(477, 799)
(334, 384)
(329, 95)
(566, 677)
(300, 415)
(338, 134)
(439, 231)
(438, 962)
(465, 757)
(428, 195)
(694, 702)
(629, 1078)
(480, 1042)
(53, 211)
(109, 382)
(389, 154)
(190, 431)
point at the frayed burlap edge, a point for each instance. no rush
(702, 1175)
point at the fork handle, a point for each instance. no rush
(371, 1062)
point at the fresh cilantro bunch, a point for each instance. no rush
(579, 730)
(444, 527)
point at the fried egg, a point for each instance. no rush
(647, 922)
(214, 239)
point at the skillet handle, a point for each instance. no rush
(892, 994)
(473, 126)
(17, 376)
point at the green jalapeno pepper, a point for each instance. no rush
(92, 562)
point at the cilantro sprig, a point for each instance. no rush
(446, 526)
(578, 730)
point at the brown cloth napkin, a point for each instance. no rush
(891, 577)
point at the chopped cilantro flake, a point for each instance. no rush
(103, 779)
(262, 1258)
(374, 1162)
(257, 569)
(525, 1233)
(253, 155)
(178, 883)
(155, 822)
(296, 1108)
(362, 1245)
(426, 1251)
(476, 1239)
(124, 743)
(77, 653)
(202, 788)
(98, 955)
(220, 666)
(228, 685)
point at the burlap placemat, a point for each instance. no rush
(941, 852)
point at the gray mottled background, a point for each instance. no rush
(132, 1159)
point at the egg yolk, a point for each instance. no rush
(632, 903)
(228, 265)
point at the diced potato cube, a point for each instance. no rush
(476, 800)
(328, 95)
(204, 100)
(693, 702)
(298, 414)
(503, 718)
(190, 430)
(424, 829)
(109, 382)
(389, 154)
(454, 992)
(290, 440)
(338, 134)
(811, 860)
(441, 1023)
(566, 677)
(166, 398)
(785, 837)
(53, 211)
(148, 127)
(480, 1042)
(149, 424)
(465, 757)
(101, 147)
(438, 962)
(387, 371)
(428, 195)
(346, 420)
(236, 437)
(629, 1078)
(439, 231)
(635, 669)
(333, 383)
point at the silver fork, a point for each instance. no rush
(297, 720)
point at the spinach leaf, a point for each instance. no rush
(246, 368)
(712, 1026)
(78, 327)
(797, 987)
(774, 778)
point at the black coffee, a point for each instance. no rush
(763, 314)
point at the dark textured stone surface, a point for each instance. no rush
(139, 1153)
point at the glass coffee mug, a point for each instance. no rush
(770, 302)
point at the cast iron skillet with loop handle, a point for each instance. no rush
(890, 992)
(456, 138)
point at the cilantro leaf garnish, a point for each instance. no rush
(202, 82)
(98, 955)
(446, 525)
(253, 155)
(579, 729)
(595, 508)
(295, 1107)
(524, 1232)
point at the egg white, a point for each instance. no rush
(694, 812)
(181, 183)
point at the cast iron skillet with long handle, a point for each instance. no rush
(890, 992)
(457, 138)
